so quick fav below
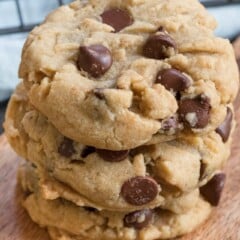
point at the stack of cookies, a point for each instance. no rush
(124, 116)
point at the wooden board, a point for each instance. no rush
(224, 224)
(14, 221)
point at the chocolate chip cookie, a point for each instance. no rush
(88, 223)
(148, 176)
(117, 74)
(124, 118)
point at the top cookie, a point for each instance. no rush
(118, 74)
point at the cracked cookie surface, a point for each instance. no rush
(148, 176)
(118, 84)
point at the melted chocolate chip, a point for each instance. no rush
(174, 80)
(212, 191)
(87, 151)
(139, 190)
(157, 46)
(138, 219)
(170, 123)
(95, 60)
(224, 129)
(195, 113)
(117, 18)
(112, 156)
(66, 148)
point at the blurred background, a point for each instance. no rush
(18, 17)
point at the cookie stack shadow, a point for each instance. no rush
(121, 143)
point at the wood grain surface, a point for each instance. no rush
(14, 221)
(224, 223)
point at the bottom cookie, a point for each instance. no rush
(66, 221)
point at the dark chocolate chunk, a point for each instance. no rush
(195, 113)
(224, 129)
(139, 190)
(87, 151)
(212, 191)
(174, 80)
(158, 45)
(138, 219)
(112, 156)
(117, 18)
(66, 148)
(95, 60)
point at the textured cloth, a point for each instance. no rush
(34, 11)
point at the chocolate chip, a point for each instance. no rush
(174, 80)
(66, 148)
(138, 219)
(95, 60)
(117, 18)
(213, 189)
(158, 45)
(87, 151)
(139, 190)
(224, 129)
(170, 123)
(112, 156)
(195, 112)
